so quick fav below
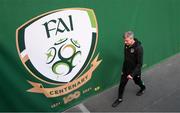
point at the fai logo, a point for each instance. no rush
(57, 47)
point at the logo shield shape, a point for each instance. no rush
(56, 47)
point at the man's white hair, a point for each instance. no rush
(129, 34)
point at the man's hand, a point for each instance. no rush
(129, 77)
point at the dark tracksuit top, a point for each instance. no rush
(133, 59)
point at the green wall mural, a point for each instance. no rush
(81, 46)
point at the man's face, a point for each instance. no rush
(128, 41)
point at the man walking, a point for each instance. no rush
(133, 59)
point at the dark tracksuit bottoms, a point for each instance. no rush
(124, 80)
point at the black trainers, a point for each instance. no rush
(140, 92)
(117, 102)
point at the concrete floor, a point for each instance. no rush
(162, 94)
